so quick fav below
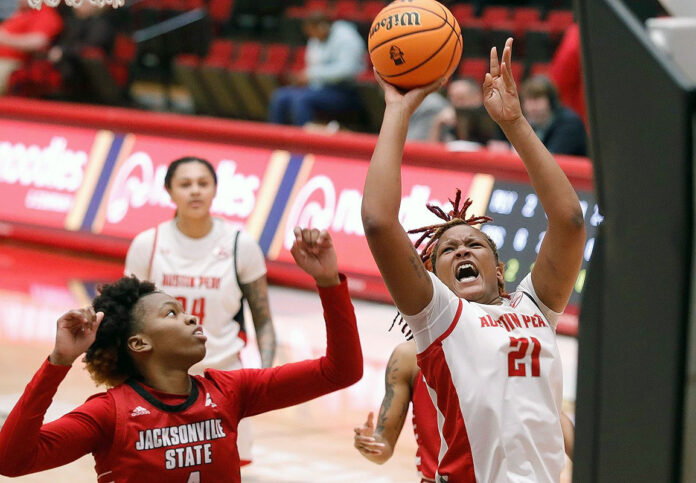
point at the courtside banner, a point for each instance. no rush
(99, 182)
(327, 194)
(41, 171)
(95, 189)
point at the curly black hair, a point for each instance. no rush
(107, 359)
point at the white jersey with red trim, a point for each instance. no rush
(494, 374)
(200, 272)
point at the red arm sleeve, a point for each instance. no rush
(27, 446)
(261, 390)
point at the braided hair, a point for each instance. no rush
(428, 255)
(107, 359)
(456, 216)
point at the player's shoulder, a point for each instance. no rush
(217, 377)
(144, 237)
(232, 233)
(407, 348)
(147, 237)
(523, 293)
(100, 404)
(406, 355)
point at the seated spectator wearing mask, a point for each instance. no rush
(335, 56)
(560, 129)
(465, 118)
(26, 32)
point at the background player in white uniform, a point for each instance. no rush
(209, 266)
(489, 359)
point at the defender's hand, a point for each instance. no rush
(75, 332)
(314, 253)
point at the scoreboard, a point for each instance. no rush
(519, 226)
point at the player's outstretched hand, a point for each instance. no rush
(411, 99)
(499, 89)
(364, 440)
(314, 253)
(75, 332)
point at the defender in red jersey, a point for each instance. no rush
(490, 360)
(157, 422)
(403, 385)
(211, 267)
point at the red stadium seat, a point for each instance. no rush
(347, 10)
(306, 9)
(269, 72)
(248, 56)
(517, 70)
(275, 59)
(559, 20)
(220, 52)
(495, 15)
(539, 68)
(524, 16)
(462, 11)
(474, 68)
(220, 10)
(297, 62)
(241, 83)
(370, 9)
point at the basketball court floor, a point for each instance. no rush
(306, 443)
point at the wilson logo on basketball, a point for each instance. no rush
(396, 20)
(396, 55)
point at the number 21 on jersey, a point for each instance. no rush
(517, 363)
(197, 308)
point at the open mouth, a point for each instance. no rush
(466, 272)
(198, 333)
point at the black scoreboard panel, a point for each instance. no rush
(519, 226)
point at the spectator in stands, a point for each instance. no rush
(422, 119)
(335, 56)
(86, 26)
(566, 72)
(7, 8)
(560, 129)
(23, 34)
(465, 118)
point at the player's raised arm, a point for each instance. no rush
(282, 386)
(560, 256)
(396, 258)
(28, 446)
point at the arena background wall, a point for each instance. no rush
(89, 178)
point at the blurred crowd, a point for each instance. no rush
(94, 55)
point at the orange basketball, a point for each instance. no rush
(414, 42)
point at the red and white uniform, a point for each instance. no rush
(425, 430)
(139, 434)
(200, 273)
(494, 375)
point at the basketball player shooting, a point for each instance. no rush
(489, 358)
(157, 422)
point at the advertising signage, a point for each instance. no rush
(99, 183)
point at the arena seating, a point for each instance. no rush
(243, 65)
